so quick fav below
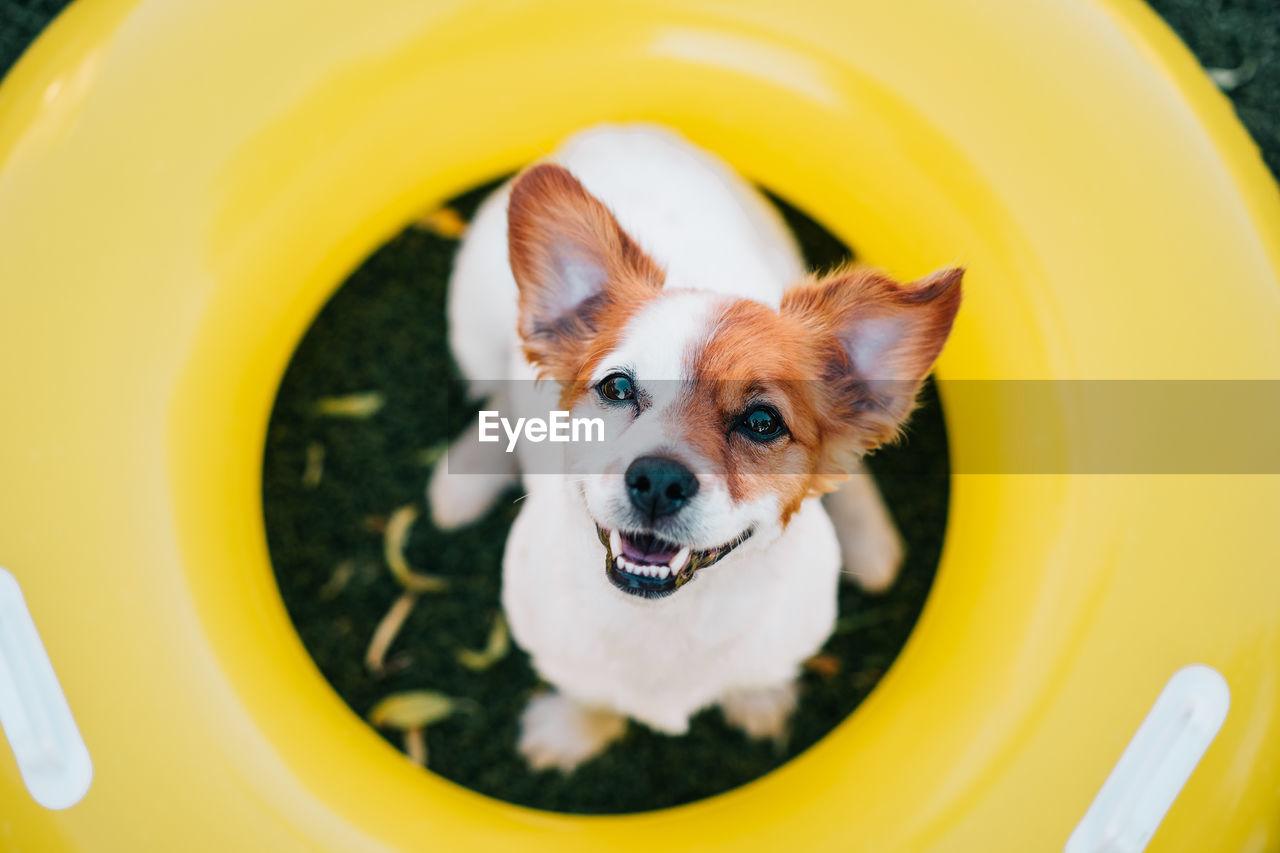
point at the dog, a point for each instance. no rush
(696, 563)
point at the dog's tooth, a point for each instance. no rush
(678, 561)
(615, 542)
(663, 571)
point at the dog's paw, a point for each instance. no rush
(873, 556)
(459, 499)
(761, 712)
(871, 549)
(557, 732)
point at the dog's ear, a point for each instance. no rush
(571, 260)
(878, 340)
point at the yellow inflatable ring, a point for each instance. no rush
(184, 182)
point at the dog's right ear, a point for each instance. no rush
(572, 262)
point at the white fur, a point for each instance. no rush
(556, 731)
(738, 631)
(761, 712)
(661, 338)
(746, 622)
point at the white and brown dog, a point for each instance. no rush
(665, 296)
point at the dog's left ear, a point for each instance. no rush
(571, 261)
(878, 338)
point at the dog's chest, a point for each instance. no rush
(740, 623)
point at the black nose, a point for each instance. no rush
(659, 486)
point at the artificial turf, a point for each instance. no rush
(330, 484)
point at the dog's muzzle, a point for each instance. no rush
(651, 567)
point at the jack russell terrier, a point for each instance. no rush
(694, 560)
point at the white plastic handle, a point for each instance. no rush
(1156, 764)
(51, 753)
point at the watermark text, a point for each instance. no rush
(558, 427)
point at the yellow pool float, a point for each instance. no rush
(184, 182)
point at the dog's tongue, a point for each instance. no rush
(647, 548)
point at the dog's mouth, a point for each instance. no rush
(651, 567)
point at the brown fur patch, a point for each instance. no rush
(797, 361)
(874, 401)
(554, 226)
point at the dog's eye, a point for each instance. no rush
(763, 424)
(617, 388)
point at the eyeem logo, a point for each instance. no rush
(558, 428)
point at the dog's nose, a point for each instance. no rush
(659, 486)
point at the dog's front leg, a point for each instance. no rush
(465, 484)
(762, 712)
(869, 542)
(559, 732)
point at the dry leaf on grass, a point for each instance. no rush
(1230, 79)
(414, 583)
(415, 746)
(412, 709)
(443, 222)
(314, 469)
(397, 534)
(824, 664)
(385, 634)
(495, 649)
(411, 712)
(337, 582)
(364, 404)
(427, 457)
